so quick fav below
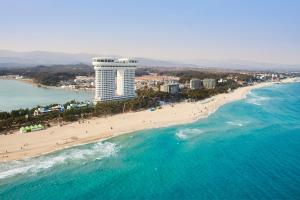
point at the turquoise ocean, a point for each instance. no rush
(248, 149)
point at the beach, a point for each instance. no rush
(18, 146)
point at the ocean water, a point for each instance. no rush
(16, 94)
(249, 149)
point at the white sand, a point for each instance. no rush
(19, 146)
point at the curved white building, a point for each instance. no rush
(114, 78)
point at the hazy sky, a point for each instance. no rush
(257, 30)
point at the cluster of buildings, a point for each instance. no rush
(269, 76)
(118, 81)
(85, 81)
(115, 79)
(60, 108)
(9, 77)
(154, 81)
(174, 88)
(170, 84)
(205, 83)
(80, 82)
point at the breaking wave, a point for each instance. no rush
(187, 133)
(235, 123)
(97, 151)
(255, 99)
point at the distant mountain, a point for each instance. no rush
(29, 59)
(245, 65)
(34, 58)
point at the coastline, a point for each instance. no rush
(31, 82)
(21, 146)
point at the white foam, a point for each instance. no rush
(181, 135)
(255, 99)
(187, 133)
(235, 123)
(97, 151)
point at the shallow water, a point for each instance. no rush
(16, 94)
(249, 149)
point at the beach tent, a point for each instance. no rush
(31, 128)
(28, 129)
(40, 126)
(23, 130)
(37, 127)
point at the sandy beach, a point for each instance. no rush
(20, 146)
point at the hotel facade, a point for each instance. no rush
(114, 78)
(209, 83)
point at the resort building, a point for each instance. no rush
(170, 88)
(42, 110)
(114, 78)
(209, 83)
(195, 84)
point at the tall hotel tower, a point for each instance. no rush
(114, 78)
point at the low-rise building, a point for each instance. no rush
(42, 110)
(170, 88)
(209, 83)
(79, 105)
(153, 81)
(195, 84)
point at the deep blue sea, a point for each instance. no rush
(249, 149)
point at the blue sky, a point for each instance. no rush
(256, 30)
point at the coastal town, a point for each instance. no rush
(169, 84)
(159, 82)
(149, 100)
(131, 103)
(165, 88)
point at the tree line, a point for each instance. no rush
(145, 99)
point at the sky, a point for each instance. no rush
(254, 30)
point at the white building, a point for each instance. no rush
(114, 78)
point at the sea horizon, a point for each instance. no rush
(246, 149)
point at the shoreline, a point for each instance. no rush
(19, 146)
(34, 84)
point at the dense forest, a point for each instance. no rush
(50, 75)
